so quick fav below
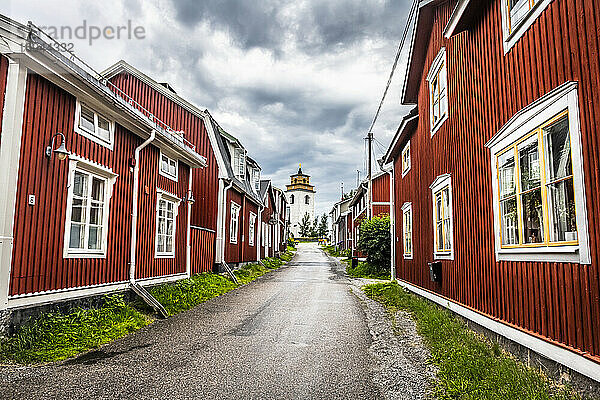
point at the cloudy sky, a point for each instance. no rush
(295, 81)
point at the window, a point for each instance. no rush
(306, 199)
(518, 16)
(291, 199)
(234, 222)
(406, 159)
(538, 182)
(93, 125)
(168, 167)
(251, 229)
(443, 243)
(407, 230)
(239, 163)
(256, 179)
(166, 220)
(88, 198)
(438, 91)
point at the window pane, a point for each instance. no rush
(103, 131)
(506, 172)
(447, 234)
(558, 149)
(169, 244)
(80, 184)
(440, 236)
(94, 240)
(510, 228)
(97, 189)
(87, 119)
(76, 238)
(96, 214)
(530, 164)
(170, 227)
(561, 204)
(161, 244)
(532, 217)
(78, 210)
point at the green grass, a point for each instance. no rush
(332, 251)
(55, 336)
(365, 270)
(470, 366)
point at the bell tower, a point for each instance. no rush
(300, 195)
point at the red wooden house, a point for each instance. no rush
(86, 206)
(273, 220)
(225, 214)
(379, 204)
(496, 181)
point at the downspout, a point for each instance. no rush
(134, 211)
(392, 225)
(137, 288)
(259, 227)
(223, 223)
(242, 228)
(188, 253)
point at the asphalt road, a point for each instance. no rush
(297, 333)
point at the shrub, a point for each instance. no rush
(374, 241)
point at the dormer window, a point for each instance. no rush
(239, 163)
(94, 126)
(256, 179)
(438, 91)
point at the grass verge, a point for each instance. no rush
(470, 366)
(365, 270)
(55, 337)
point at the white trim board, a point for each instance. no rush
(551, 351)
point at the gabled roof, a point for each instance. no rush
(422, 17)
(69, 72)
(406, 128)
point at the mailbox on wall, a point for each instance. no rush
(435, 271)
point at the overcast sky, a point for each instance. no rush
(295, 81)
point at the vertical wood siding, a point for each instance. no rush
(556, 301)
(202, 251)
(38, 263)
(249, 253)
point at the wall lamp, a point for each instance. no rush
(61, 151)
(189, 198)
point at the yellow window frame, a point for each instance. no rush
(531, 3)
(544, 185)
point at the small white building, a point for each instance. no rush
(300, 195)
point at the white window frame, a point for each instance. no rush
(92, 169)
(93, 135)
(564, 97)
(407, 212)
(440, 183)
(512, 34)
(256, 179)
(406, 164)
(234, 216)
(239, 157)
(438, 66)
(170, 160)
(251, 229)
(169, 197)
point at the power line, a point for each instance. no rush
(395, 64)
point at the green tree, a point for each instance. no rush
(305, 226)
(314, 230)
(374, 241)
(323, 226)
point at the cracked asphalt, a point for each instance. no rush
(296, 333)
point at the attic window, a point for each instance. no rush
(239, 163)
(94, 126)
(438, 91)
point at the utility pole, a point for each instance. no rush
(357, 177)
(342, 198)
(370, 177)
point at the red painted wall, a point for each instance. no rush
(556, 301)
(232, 250)
(202, 250)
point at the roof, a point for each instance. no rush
(73, 74)
(422, 15)
(264, 186)
(464, 13)
(406, 128)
